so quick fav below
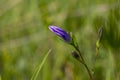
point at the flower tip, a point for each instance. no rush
(49, 27)
(52, 26)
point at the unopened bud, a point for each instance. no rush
(75, 54)
(100, 33)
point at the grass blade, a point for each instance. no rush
(35, 74)
(0, 77)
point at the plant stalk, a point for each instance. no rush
(83, 62)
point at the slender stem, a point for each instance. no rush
(83, 62)
(88, 70)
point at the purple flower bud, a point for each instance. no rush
(60, 32)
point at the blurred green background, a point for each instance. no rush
(25, 38)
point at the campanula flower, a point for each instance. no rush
(61, 33)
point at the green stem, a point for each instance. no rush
(83, 62)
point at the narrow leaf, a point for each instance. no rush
(35, 74)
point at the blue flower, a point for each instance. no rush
(61, 33)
